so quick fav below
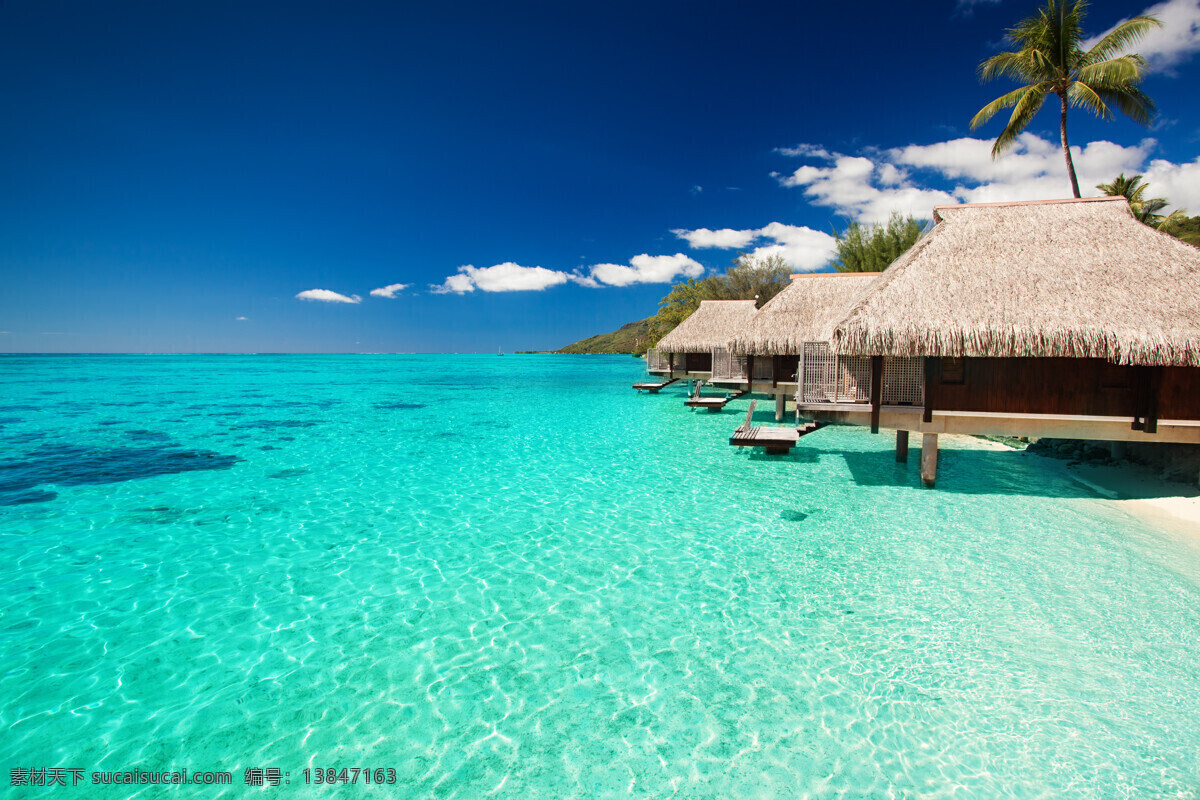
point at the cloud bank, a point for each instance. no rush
(803, 249)
(510, 277)
(644, 268)
(870, 186)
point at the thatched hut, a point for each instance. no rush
(794, 326)
(1055, 318)
(689, 348)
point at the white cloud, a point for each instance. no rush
(326, 296)
(1179, 183)
(1033, 170)
(506, 277)
(390, 290)
(723, 239)
(802, 248)
(241, 319)
(646, 268)
(850, 187)
(458, 284)
(805, 150)
(1176, 41)
(1031, 158)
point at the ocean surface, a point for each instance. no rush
(515, 577)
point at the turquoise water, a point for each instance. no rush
(515, 577)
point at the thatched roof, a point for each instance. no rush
(803, 312)
(1062, 278)
(711, 325)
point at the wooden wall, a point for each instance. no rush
(1179, 393)
(1082, 386)
(696, 362)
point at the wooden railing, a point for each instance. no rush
(656, 361)
(828, 378)
(727, 366)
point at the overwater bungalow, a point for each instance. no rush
(687, 351)
(767, 355)
(1065, 318)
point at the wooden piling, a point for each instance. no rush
(902, 447)
(929, 455)
(780, 400)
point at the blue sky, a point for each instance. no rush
(173, 176)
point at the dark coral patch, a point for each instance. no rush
(70, 465)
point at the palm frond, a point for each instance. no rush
(1131, 102)
(1122, 37)
(1021, 66)
(1122, 71)
(999, 104)
(1080, 95)
(1131, 188)
(1026, 109)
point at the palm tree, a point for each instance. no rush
(1145, 211)
(1050, 59)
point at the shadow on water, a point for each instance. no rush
(289, 473)
(400, 406)
(69, 465)
(143, 435)
(1011, 472)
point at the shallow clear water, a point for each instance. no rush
(515, 577)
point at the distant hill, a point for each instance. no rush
(629, 338)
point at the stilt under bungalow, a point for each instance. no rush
(929, 458)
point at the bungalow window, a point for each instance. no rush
(952, 371)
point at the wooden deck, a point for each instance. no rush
(712, 403)
(653, 388)
(775, 441)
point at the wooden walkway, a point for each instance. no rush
(774, 441)
(653, 388)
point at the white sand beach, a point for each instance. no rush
(1139, 490)
(1135, 489)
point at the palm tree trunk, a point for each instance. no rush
(1066, 147)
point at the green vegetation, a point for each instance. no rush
(870, 248)
(629, 338)
(1050, 59)
(1184, 228)
(1145, 210)
(750, 278)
